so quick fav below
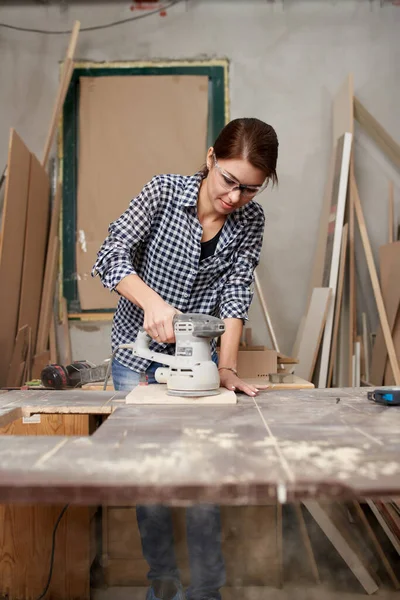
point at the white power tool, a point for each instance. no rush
(191, 372)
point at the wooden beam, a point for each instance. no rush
(66, 75)
(375, 130)
(375, 284)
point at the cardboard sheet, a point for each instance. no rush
(130, 129)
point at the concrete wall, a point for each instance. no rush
(287, 62)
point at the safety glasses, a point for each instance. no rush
(231, 184)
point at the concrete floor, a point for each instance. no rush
(290, 592)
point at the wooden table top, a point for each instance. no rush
(292, 445)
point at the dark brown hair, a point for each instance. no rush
(252, 140)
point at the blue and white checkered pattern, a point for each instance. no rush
(158, 238)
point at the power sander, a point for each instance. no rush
(191, 372)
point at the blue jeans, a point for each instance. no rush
(203, 525)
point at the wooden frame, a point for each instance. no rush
(217, 72)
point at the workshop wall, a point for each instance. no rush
(288, 59)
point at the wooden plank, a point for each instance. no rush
(40, 361)
(19, 356)
(62, 91)
(49, 275)
(157, 394)
(375, 130)
(390, 285)
(12, 246)
(37, 221)
(338, 307)
(391, 213)
(377, 545)
(265, 312)
(395, 542)
(334, 241)
(343, 109)
(388, 378)
(352, 309)
(46, 308)
(307, 543)
(312, 334)
(343, 548)
(281, 382)
(366, 344)
(375, 285)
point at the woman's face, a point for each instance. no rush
(223, 181)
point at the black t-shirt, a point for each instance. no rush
(208, 247)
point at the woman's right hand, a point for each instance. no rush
(158, 318)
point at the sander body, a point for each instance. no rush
(191, 372)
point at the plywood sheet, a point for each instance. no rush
(157, 394)
(127, 134)
(12, 246)
(313, 328)
(37, 221)
(389, 257)
(14, 376)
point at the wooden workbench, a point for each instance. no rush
(290, 445)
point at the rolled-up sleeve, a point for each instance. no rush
(237, 293)
(114, 259)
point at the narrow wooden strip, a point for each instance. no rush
(44, 324)
(375, 130)
(352, 311)
(46, 308)
(268, 321)
(375, 285)
(391, 213)
(307, 542)
(338, 307)
(366, 346)
(339, 542)
(384, 525)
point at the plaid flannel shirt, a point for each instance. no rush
(158, 238)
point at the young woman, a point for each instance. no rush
(189, 244)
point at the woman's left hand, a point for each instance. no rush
(232, 382)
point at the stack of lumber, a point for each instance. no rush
(29, 252)
(334, 344)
